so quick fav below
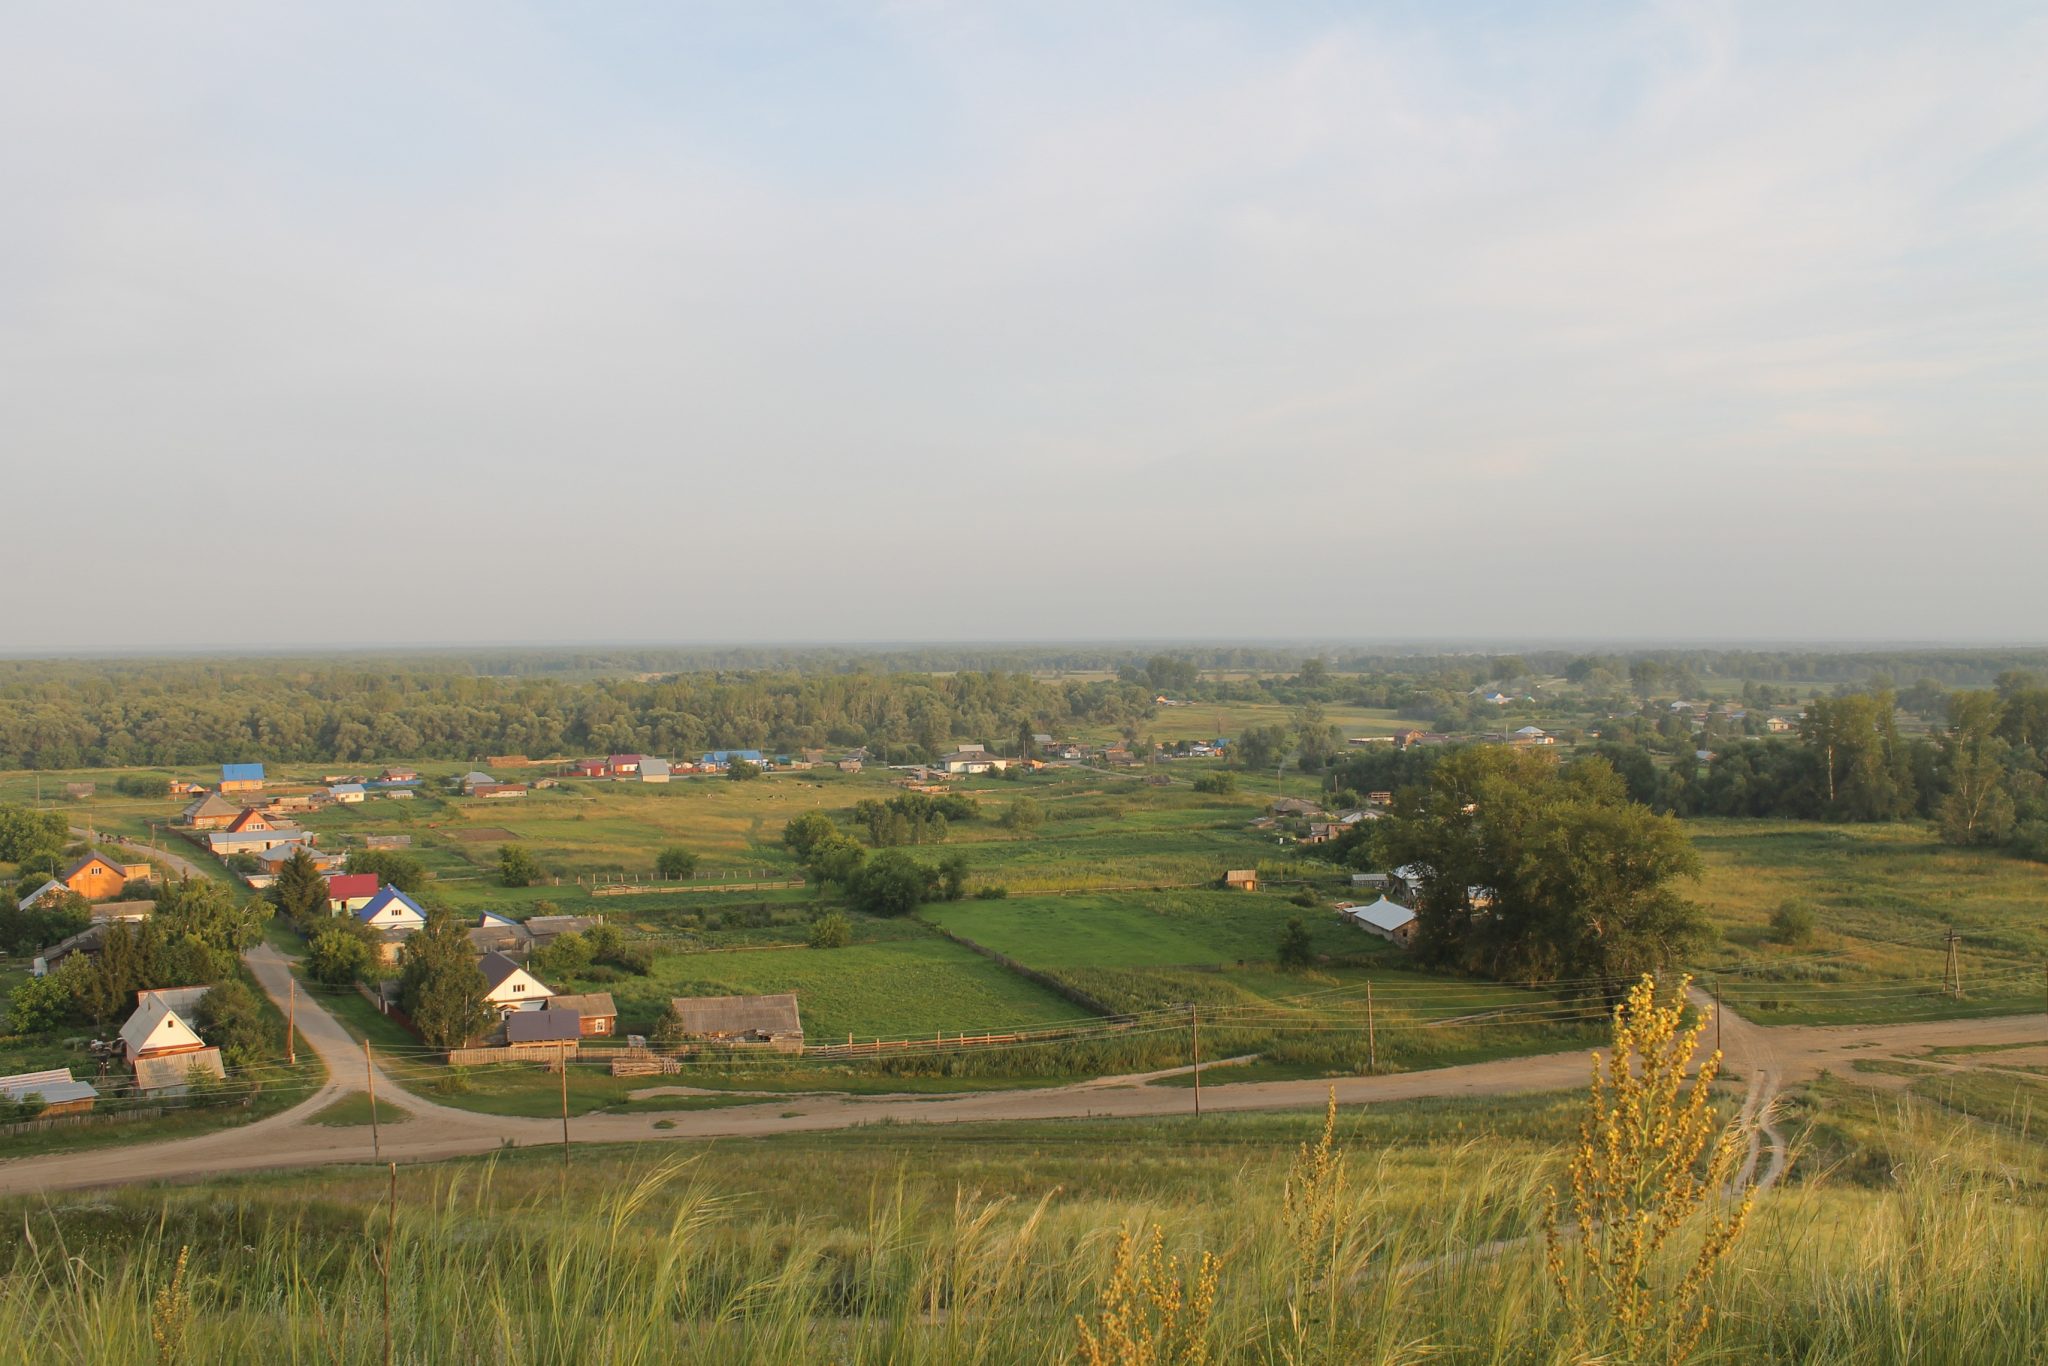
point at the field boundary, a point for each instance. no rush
(1064, 990)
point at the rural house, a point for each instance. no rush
(473, 780)
(210, 812)
(349, 794)
(226, 843)
(350, 892)
(624, 765)
(391, 909)
(241, 777)
(98, 878)
(769, 1022)
(162, 1047)
(499, 790)
(654, 770)
(719, 760)
(58, 1093)
(971, 759)
(509, 987)
(249, 819)
(51, 887)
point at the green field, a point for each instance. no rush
(1884, 898)
(877, 990)
(1168, 929)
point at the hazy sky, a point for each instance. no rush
(447, 323)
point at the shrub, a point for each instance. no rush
(1217, 784)
(1296, 948)
(517, 867)
(675, 864)
(991, 893)
(1792, 923)
(831, 931)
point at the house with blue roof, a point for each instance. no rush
(392, 909)
(241, 777)
(723, 758)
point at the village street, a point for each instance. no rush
(1764, 1059)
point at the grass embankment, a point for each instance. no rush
(978, 1244)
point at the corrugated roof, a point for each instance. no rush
(543, 1026)
(174, 1070)
(591, 1006)
(349, 886)
(1382, 914)
(725, 1016)
(241, 773)
(56, 1086)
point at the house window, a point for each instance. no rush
(518, 986)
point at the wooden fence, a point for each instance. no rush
(642, 888)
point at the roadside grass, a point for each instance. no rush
(353, 1110)
(985, 1243)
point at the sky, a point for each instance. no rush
(405, 324)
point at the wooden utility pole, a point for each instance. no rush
(1195, 1050)
(291, 1025)
(370, 1074)
(562, 1061)
(1372, 1041)
(1952, 974)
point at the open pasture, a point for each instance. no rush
(1883, 899)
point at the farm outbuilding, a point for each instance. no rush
(769, 1022)
(1242, 879)
(595, 1012)
(58, 1093)
(241, 777)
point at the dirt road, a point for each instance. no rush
(1764, 1059)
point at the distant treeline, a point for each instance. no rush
(120, 713)
(1983, 777)
(1951, 666)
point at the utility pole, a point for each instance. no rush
(1195, 1050)
(1717, 1014)
(291, 1024)
(370, 1073)
(1372, 1042)
(1952, 974)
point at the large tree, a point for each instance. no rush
(1865, 772)
(300, 891)
(1977, 807)
(1534, 871)
(439, 985)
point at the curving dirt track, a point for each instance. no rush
(1767, 1059)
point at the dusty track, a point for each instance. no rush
(1767, 1060)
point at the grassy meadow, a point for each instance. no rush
(1884, 898)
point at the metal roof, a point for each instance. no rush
(55, 1086)
(241, 773)
(543, 1026)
